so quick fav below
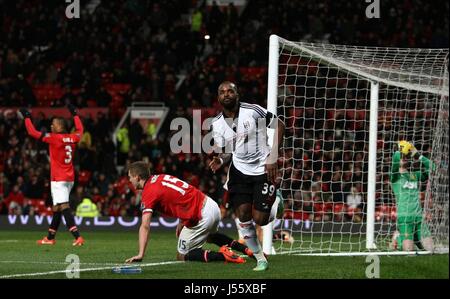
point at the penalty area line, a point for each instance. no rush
(85, 270)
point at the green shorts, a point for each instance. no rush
(411, 228)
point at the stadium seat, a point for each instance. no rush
(84, 177)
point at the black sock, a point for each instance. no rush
(417, 242)
(220, 239)
(70, 223)
(205, 256)
(235, 245)
(56, 220)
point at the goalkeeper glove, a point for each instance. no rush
(72, 109)
(407, 148)
(25, 113)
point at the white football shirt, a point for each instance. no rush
(245, 137)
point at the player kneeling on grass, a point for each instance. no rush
(405, 184)
(199, 215)
(61, 147)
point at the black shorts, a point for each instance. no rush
(253, 189)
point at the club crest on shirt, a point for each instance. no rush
(246, 125)
(154, 178)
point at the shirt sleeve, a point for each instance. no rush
(32, 130)
(219, 140)
(78, 128)
(260, 112)
(49, 138)
(148, 202)
(395, 173)
(428, 164)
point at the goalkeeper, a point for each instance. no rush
(405, 184)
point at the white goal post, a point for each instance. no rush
(345, 109)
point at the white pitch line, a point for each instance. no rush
(85, 270)
(9, 241)
(59, 263)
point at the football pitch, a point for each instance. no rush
(21, 258)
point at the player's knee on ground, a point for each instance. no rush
(180, 257)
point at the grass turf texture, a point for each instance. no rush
(20, 255)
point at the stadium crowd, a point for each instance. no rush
(138, 51)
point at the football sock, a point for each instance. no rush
(70, 223)
(205, 256)
(236, 220)
(249, 232)
(56, 220)
(417, 242)
(221, 239)
(238, 246)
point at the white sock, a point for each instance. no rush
(260, 256)
(236, 220)
(248, 231)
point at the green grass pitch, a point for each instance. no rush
(20, 257)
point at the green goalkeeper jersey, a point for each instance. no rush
(406, 187)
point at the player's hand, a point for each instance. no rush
(73, 110)
(215, 164)
(25, 112)
(271, 170)
(179, 229)
(407, 149)
(134, 259)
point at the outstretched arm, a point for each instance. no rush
(395, 167)
(144, 230)
(29, 124)
(429, 165)
(78, 124)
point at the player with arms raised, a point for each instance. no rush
(199, 215)
(405, 184)
(61, 147)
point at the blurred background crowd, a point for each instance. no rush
(177, 52)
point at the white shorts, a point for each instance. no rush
(60, 192)
(195, 237)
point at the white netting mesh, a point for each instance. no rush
(324, 97)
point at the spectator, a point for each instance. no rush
(87, 209)
(354, 205)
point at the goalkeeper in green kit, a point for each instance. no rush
(405, 184)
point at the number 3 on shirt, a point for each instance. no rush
(68, 149)
(174, 180)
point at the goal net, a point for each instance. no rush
(345, 110)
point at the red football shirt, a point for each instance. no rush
(172, 197)
(61, 147)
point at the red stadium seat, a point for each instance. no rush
(84, 177)
(339, 208)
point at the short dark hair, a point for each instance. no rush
(140, 168)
